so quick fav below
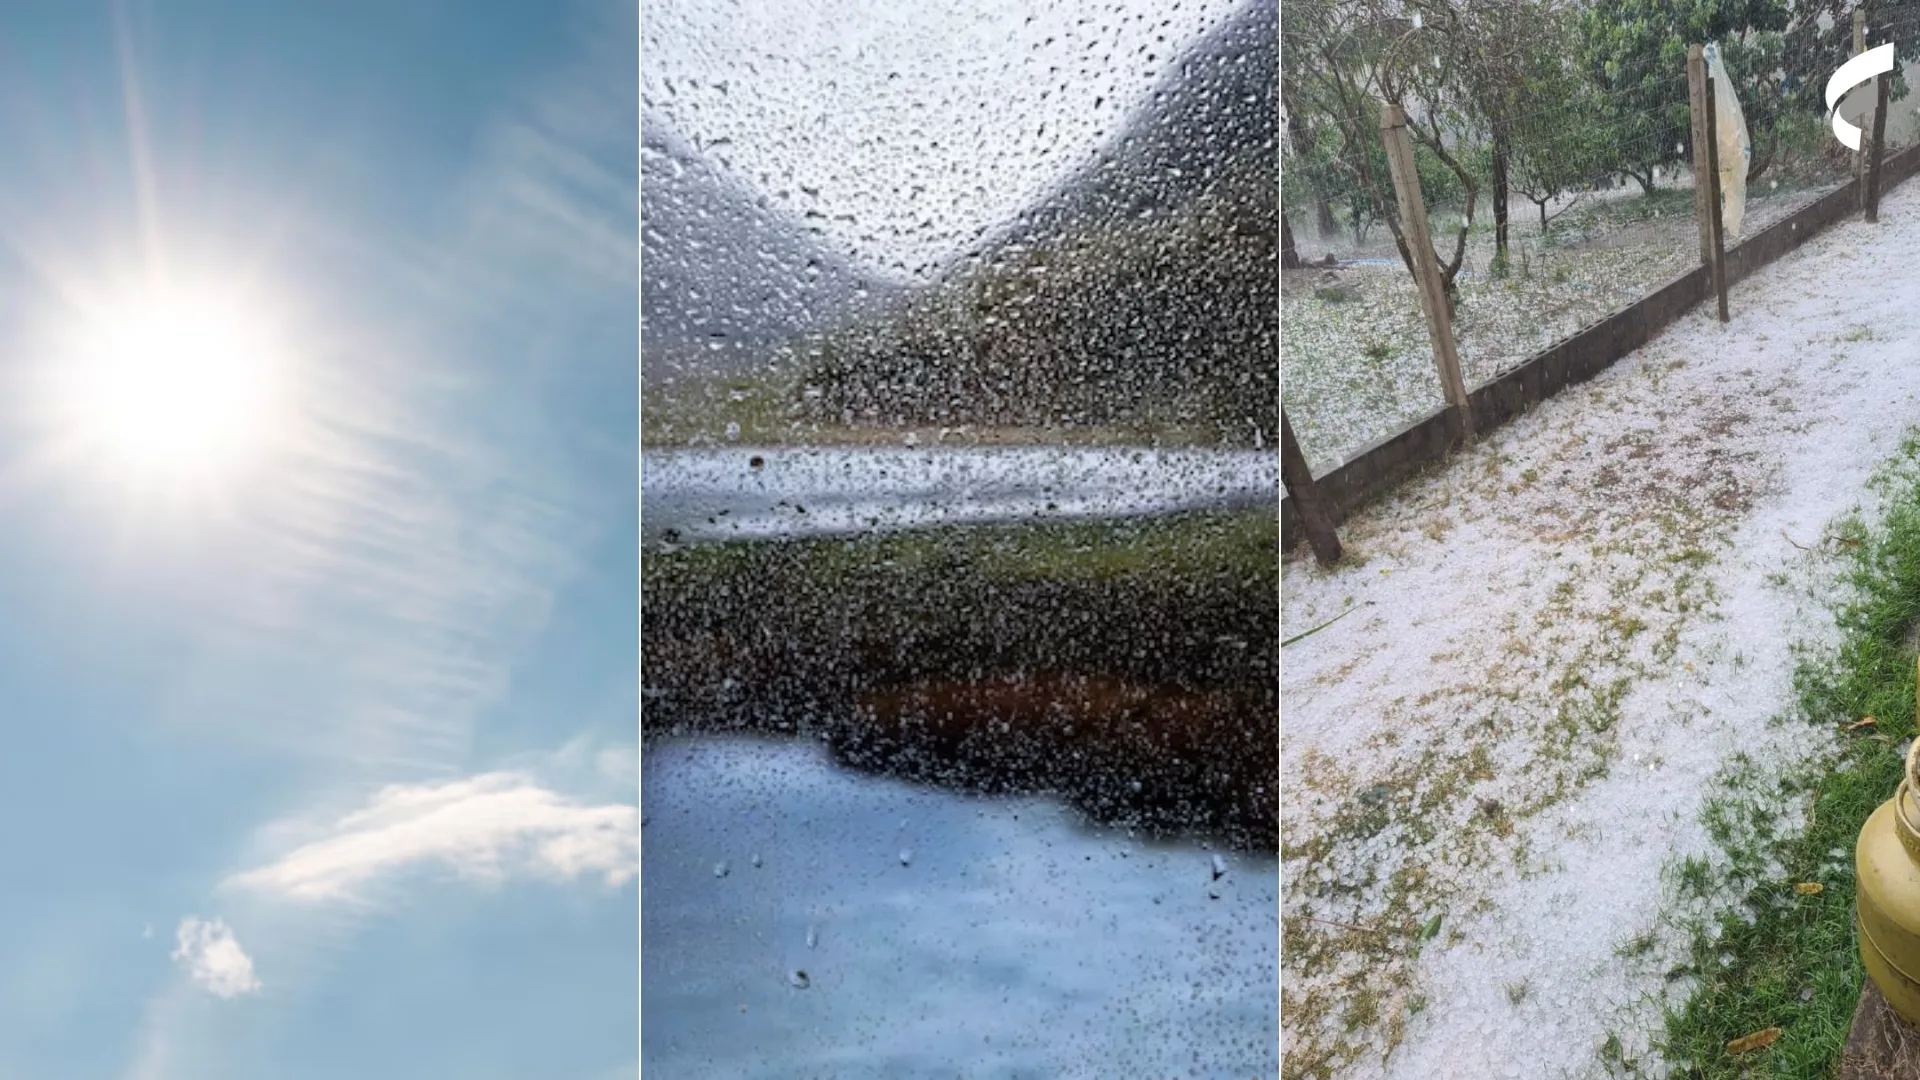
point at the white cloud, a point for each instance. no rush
(213, 957)
(485, 827)
(620, 764)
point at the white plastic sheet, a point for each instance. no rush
(1735, 149)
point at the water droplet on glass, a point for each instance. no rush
(1219, 867)
(756, 860)
(798, 980)
(906, 856)
(720, 868)
(813, 937)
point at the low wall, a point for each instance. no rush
(1382, 466)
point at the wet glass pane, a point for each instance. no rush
(959, 534)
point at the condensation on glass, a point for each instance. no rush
(960, 625)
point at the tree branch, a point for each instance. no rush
(1466, 183)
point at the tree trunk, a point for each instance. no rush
(1542, 203)
(1762, 160)
(1434, 141)
(1303, 138)
(1500, 148)
(1645, 180)
(1289, 255)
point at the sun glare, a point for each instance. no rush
(170, 386)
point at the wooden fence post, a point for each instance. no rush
(1706, 174)
(1879, 149)
(1306, 496)
(1697, 113)
(1433, 292)
(1860, 155)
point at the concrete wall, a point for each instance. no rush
(1380, 467)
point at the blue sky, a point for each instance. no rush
(320, 753)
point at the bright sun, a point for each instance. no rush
(169, 386)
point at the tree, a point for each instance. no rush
(1472, 76)
(1301, 142)
(1776, 51)
(1554, 156)
(1636, 53)
(1339, 172)
(1557, 143)
(1439, 114)
(1809, 54)
(1346, 57)
(1331, 114)
(1502, 48)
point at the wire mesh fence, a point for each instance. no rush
(1599, 213)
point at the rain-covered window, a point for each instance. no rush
(959, 629)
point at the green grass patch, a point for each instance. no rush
(767, 407)
(756, 409)
(1169, 547)
(1602, 216)
(1781, 958)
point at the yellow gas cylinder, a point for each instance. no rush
(1887, 883)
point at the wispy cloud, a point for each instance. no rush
(487, 828)
(549, 216)
(586, 763)
(620, 764)
(411, 549)
(398, 571)
(212, 956)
